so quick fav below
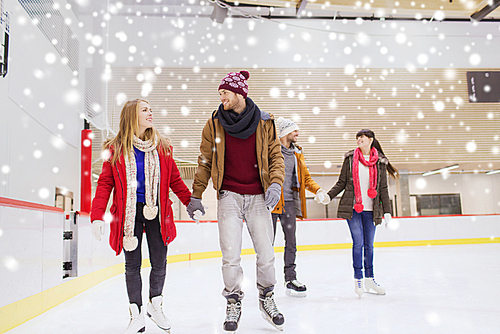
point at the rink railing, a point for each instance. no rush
(32, 247)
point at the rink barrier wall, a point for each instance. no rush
(37, 284)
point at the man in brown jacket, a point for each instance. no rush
(240, 151)
(293, 200)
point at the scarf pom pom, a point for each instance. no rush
(358, 207)
(130, 243)
(372, 193)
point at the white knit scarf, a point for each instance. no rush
(152, 177)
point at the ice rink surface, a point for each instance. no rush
(434, 289)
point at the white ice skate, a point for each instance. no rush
(155, 312)
(137, 323)
(358, 287)
(295, 289)
(269, 310)
(370, 283)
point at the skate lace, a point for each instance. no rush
(297, 283)
(158, 313)
(359, 282)
(133, 322)
(233, 312)
(270, 306)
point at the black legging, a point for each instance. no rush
(157, 257)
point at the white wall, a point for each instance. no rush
(40, 123)
(479, 193)
(244, 43)
(31, 252)
(54, 130)
(250, 44)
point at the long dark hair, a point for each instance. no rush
(393, 171)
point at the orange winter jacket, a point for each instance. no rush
(305, 182)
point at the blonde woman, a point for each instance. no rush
(139, 170)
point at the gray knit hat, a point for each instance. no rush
(285, 126)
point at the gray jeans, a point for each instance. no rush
(289, 225)
(232, 209)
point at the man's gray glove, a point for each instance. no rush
(194, 204)
(273, 195)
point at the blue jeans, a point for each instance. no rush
(363, 233)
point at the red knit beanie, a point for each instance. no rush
(236, 82)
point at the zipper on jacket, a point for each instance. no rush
(262, 161)
(216, 153)
(159, 195)
(119, 178)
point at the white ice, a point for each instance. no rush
(435, 289)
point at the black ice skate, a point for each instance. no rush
(295, 289)
(269, 310)
(233, 314)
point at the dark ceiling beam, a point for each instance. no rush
(301, 6)
(481, 14)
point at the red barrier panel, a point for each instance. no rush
(86, 171)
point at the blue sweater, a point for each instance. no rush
(141, 186)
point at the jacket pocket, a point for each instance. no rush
(113, 213)
(223, 194)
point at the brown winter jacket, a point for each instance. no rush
(211, 160)
(381, 203)
(305, 182)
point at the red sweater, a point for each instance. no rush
(241, 173)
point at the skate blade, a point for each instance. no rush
(167, 330)
(375, 293)
(266, 318)
(293, 293)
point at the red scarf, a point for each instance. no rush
(372, 165)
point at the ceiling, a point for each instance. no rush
(442, 10)
(402, 9)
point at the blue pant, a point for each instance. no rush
(363, 233)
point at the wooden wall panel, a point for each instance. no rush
(422, 118)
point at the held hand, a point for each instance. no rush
(387, 219)
(98, 229)
(273, 195)
(322, 197)
(197, 215)
(195, 205)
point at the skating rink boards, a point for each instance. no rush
(430, 289)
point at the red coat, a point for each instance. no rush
(114, 178)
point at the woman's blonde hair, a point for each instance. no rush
(129, 126)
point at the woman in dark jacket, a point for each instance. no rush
(364, 203)
(140, 170)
